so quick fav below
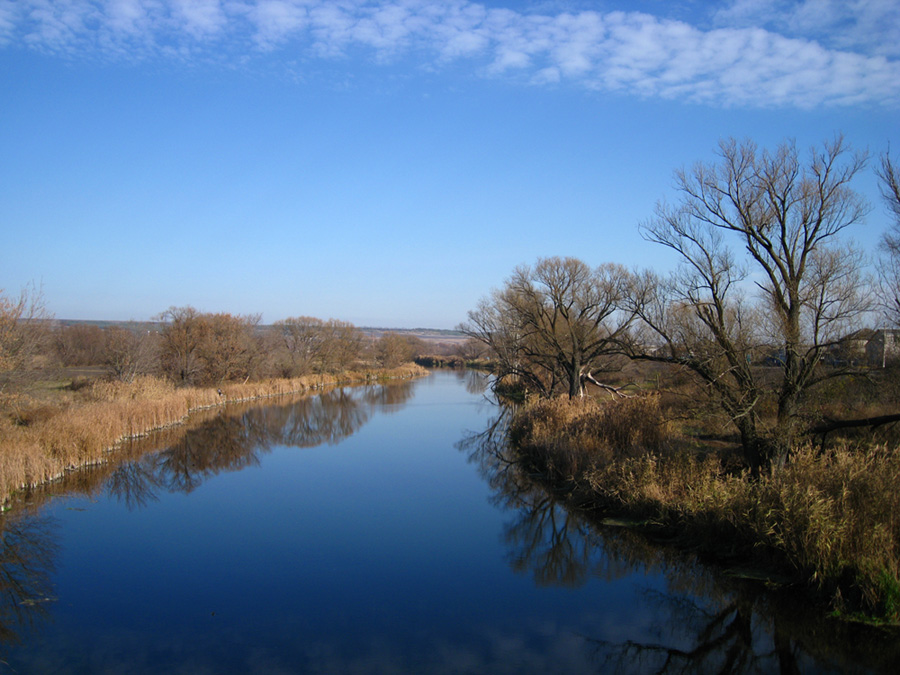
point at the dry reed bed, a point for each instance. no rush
(112, 412)
(832, 519)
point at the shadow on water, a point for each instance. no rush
(178, 459)
(708, 620)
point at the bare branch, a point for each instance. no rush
(786, 216)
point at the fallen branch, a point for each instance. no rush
(827, 425)
(608, 387)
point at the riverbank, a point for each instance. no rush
(62, 436)
(829, 522)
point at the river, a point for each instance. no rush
(376, 529)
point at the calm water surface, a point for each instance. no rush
(370, 529)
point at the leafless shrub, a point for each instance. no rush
(24, 326)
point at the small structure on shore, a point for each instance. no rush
(883, 347)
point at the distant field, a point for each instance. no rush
(427, 334)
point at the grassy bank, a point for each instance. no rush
(831, 520)
(79, 430)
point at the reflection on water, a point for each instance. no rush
(231, 439)
(27, 551)
(707, 621)
(394, 565)
(242, 433)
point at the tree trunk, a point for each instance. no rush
(576, 389)
(751, 444)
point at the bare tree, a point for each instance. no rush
(181, 339)
(889, 259)
(229, 349)
(470, 350)
(786, 217)
(341, 347)
(300, 339)
(553, 324)
(393, 349)
(501, 333)
(203, 348)
(128, 353)
(79, 344)
(24, 325)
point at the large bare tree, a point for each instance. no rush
(553, 324)
(889, 259)
(764, 269)
(307, 344)
(79, 344)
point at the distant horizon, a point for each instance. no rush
(423, 329)
(390, 163)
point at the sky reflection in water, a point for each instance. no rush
(371, 529)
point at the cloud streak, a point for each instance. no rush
(867, 26)
(744, 59)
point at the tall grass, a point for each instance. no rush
(837, 516)
(82, 433)
(830, 519)
(571, 436)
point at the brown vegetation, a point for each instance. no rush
(392, 349)
(206, 349)
(830, 518)
(570, 436)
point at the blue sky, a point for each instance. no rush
(389, 162)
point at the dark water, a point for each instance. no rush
(371, 530)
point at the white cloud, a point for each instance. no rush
(459, 29)
(868, 26)
(276, 20)
(332, 27)
(760, 52)
(199, 18)
(577, 42)
(57, 25)
(126, 16)
(8, 19)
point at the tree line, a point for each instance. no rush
(764, 271)
(186, 346)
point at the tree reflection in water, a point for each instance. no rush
(237, 438)
(706, 620)
(229, 440)
(27, 550)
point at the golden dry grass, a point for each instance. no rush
(574, 435)
(75, 434)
